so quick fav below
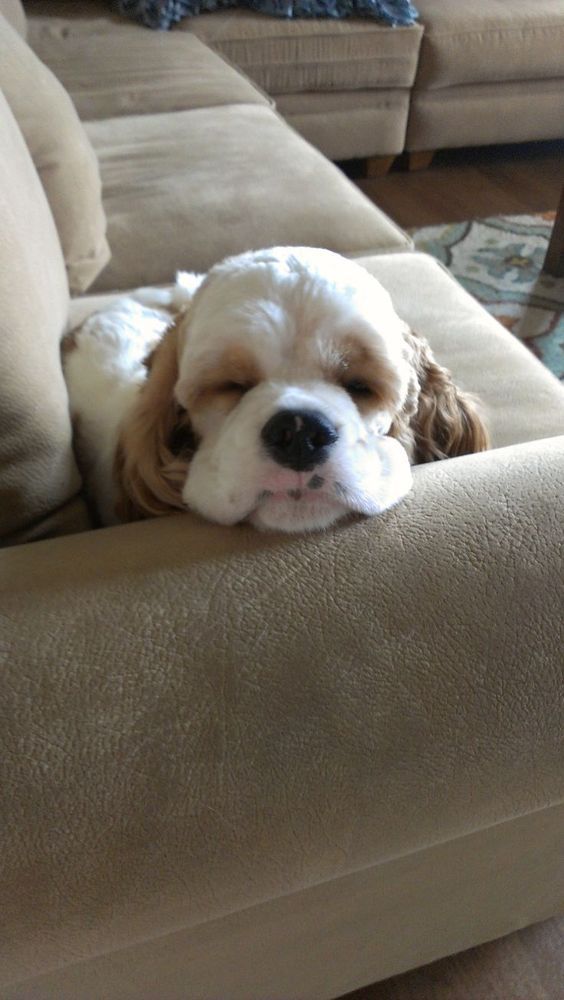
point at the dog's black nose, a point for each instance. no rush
(298, 439)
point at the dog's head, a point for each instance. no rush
(288, 393)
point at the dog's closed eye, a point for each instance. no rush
(356, 387)
(239, 387)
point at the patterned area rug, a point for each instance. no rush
(499, 262)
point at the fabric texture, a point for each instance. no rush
(38, 476)
(301, 56)
(183, 190)
(165, 13)
(14, 13)
(344, 124)
(62, 154)
(482, 113)
(489, 41)
(137, 72)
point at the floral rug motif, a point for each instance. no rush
(499, 261)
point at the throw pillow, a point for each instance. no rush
(62, 154)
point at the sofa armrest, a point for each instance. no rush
(195, 718)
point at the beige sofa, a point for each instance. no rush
(236, 766)
(467, 74)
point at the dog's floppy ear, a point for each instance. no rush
(444, 421)
(156, 442)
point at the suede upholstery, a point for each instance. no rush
(136, 72)
(170, 205)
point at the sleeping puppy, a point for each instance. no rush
(281, 389)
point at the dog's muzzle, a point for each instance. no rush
(299, 439)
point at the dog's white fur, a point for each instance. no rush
(104, 372)
(286, 329)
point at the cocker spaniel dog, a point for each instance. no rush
(280, 389)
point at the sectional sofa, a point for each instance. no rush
(467, 74)
(235, 765)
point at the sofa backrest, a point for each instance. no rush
(39, 481)
(62, 154)
(13, 11)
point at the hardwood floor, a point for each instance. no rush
(465, 184)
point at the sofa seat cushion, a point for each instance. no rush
(285, 56)
(183, 190)
(133, 71)
(38, 476)
(62, 155)
(487, 41)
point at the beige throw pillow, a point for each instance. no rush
(62, 154)
(13, 11)
(38, 476)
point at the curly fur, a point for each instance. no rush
(437, 420)
(156, 443)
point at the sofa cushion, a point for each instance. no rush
(286, 57)
(13, 11)
(185, 189)
(62, 155)
(38, 476)
(474, 114)
(137, 72)
(490, 40)
(349, 123)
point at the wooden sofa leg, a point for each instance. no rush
(554, 260)
(378, 166)
(420, 159)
